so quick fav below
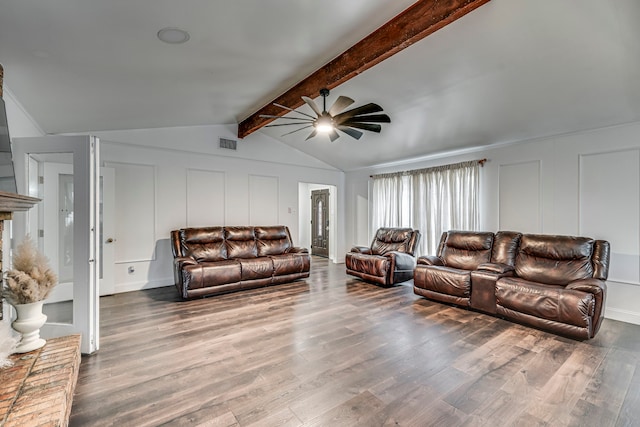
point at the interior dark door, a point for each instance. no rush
(320, 223)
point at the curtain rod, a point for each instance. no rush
(481, 162)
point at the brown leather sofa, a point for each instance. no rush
(390, 258)
(556, 283)
(217, 260)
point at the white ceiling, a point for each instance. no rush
(510, 70)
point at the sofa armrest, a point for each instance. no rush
(598, 288)
(430, 260)
(594, 286)
(297, 250)
(495, 267)
(401, 260)
(181, 261)
(361, 250)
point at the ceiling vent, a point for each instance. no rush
(229, 144)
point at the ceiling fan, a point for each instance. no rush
(329, 122)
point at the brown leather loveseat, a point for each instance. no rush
(556, 283)
(390, 258)
(216, 260)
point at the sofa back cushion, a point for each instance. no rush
(505, 247)
(241, 242)
(466, 249)
(554, 260)
(272, 240)
(203, 244)
(394, 239)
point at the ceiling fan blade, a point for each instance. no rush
(366, 126)
(295, 111)
(333, 135)
(285, 124)
(371, 118)
(271, 116)
(312, 104)
(297, 130)
(311, 135)
(351, 132)
(365, 109)
(341, 103)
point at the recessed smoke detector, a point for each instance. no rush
(173, 35)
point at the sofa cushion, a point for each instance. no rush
(220, 272)
(241, 242)
(204, 244)
(444, 280)
(505, 247)
(551, 302)
(290, 263)
(256, 268)
(467, 249)
(272, 240)
(372, 265)
(391, 239)
(554, 260)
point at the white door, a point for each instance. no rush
(75, 226)
(56, 217)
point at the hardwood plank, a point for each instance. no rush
(334, 350)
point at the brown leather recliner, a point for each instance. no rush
(390, 258)
(460, 253)
(551, 282)
(216, 260)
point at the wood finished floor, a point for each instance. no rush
(335, 351)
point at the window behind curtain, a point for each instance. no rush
(431, 200)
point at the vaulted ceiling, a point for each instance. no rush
(510, 70)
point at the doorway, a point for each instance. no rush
(320, 223)
(305, 215)
(66, 223)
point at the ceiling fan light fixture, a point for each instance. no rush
(329, 122)
(324, 124)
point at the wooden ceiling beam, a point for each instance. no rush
(424, 17)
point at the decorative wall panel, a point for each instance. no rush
(519, 197)
(205, 198)
(610, 208)
(135, 212)
(263, 200)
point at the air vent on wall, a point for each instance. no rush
(229, 144)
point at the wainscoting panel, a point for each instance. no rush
(519, 197)
(135, 223)
(263, 200)
(205, 198)
(610, 208)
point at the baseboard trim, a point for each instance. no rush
(139, 286)
(622, 315)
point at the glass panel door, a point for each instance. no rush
(63, 171)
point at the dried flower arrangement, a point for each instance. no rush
(31, 279)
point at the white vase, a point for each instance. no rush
(28, 322)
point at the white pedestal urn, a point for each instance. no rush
(28, 322)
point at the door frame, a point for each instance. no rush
(325, 235)
(304, 217)
(86, 161)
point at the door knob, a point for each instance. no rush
(110, 240)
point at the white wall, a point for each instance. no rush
(21, 124)
(586, 183)
(171, 178)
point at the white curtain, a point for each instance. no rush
(431, 200)
(391, 206)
